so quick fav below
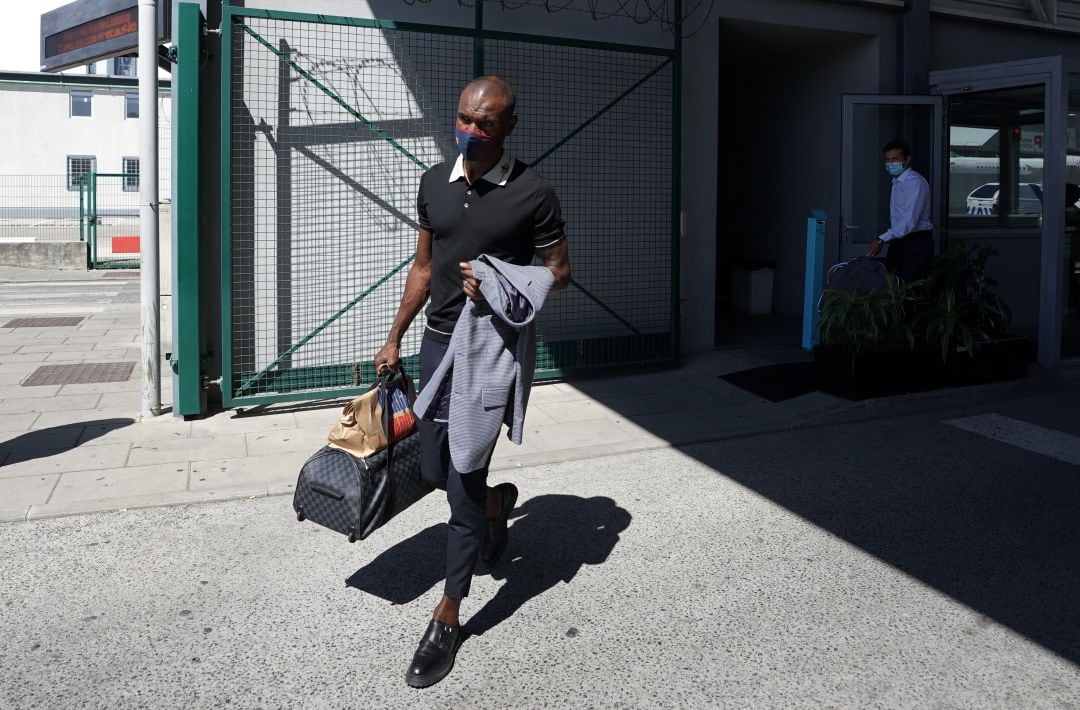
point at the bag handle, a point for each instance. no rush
(383, 383)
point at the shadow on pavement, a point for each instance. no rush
(41, 443)
(1000, 539)
(551, 537)
(407, 570)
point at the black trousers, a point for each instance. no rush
(909, 257)
(465, 491)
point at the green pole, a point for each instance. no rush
(82, 214)
(92, 198)
(186, 361)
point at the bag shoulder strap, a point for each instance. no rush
(387, 424)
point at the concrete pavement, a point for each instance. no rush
(81, 448)
(915, 565)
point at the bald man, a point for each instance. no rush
(482, 202)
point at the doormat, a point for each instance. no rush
(81, 374)
(776, 383)
(44, 322)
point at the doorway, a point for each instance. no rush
(778, 160)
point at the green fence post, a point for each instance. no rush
(82, 213)
(91, 198)
(186, 360)
(225, 200)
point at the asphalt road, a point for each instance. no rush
(894, 563)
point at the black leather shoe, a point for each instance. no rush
(497, 535)
(435, 656)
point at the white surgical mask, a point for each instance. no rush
(894, 169)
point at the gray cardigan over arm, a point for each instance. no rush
(492, 355)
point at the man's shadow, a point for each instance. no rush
(551, 537)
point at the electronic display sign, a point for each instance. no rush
(90, 30)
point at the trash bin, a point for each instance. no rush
(752, 286)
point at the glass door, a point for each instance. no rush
(996, 185)
(869, 122)
(1070, 325)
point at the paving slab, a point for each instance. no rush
(306, 439)
(34, 347)
(82, 416)
(566, 435)
(554, 392)
(12, 515)
(228, 423)
(208, 448)
(21, 356)
(119, 482)
(25, 491)
(36, 440)
(266, 469)
(17, 422)
(65, 403)
(132, 502)
(122, 400)
(582, 410)
(21, 392)
(83, 458)
(22, 338)
(128, 429)
(324, 414)
(99, 387)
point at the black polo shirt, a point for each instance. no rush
(509, 213)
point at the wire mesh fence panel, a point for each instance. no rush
(113, 220)
(597, 124)
(39, 208)
(331, 127)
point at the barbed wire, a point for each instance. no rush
(696, 13)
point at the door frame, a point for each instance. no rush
(1053, 74)
(847, 160)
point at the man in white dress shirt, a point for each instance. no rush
(910, 235)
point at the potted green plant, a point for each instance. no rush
(965, 322)
(868, 347)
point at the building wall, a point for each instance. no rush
(41, 133)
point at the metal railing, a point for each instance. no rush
(39, 208)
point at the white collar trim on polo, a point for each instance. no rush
(498, 175)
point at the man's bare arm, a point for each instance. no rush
(557, 259)
(417, 284)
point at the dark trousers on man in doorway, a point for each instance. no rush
(909, 257)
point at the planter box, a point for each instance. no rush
(1004, 358)
(876, 374)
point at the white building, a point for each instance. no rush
(61, 127)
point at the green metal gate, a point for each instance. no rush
(110, 215)
(328, 124)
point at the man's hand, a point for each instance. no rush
(469, 283)
(875, 247)
(387, 358)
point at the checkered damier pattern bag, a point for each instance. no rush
(356, 496)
